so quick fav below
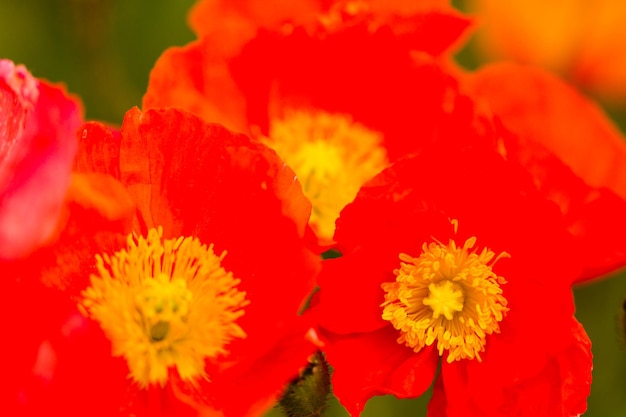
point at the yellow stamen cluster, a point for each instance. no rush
(448, 295)
(165, 303)
(332, 157)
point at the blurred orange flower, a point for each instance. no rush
(551, 120)
(227, 25)
(581, 40)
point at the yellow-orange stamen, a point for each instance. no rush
(448, 295)
(165, 303)
(332, 157)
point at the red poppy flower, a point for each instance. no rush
(37, 125)
(336, 97)
(452, 256)
(196, 309)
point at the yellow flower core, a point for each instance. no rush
(165, 303)
(332, 157)
(448, 294)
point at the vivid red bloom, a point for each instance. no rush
(452, 255)
(196, 310)
(335, 96)
(37, 146)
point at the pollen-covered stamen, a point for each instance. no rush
(332, 157)
(165, 303)
(449, 295)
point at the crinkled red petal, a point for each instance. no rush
(101, 155)
(555, 125)
(237, 194)
(538, 106)
(571, 149)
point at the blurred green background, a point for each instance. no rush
(103, 51)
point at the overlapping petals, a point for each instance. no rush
(228, 25)
(551, 121)
(374, 88)
(276, 72)
(294, 66)
(393, 79)
(37, 124)
(169, 169)
(373, 78)
(505, 176)
(544, 109)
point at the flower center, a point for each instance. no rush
(165, 303)
(449, 295)
(445, 297)
(332, 157)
